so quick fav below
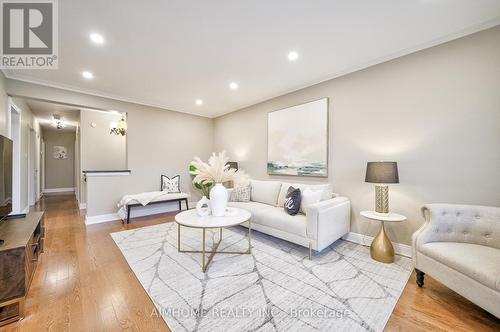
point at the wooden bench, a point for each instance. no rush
(179, 199)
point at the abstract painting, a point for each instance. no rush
(298, 140)
(59, 152)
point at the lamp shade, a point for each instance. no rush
(382, 172)
(232, 164)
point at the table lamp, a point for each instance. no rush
(232, 164)
(382, 173)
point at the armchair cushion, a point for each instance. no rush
(478, 262)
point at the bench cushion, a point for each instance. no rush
(164, 197)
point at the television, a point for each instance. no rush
(5, 177)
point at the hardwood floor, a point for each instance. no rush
(83, 283)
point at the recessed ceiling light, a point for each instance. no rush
(199, 102)
(233, 85)
(97, 38)
(88, 75)
(292, 56)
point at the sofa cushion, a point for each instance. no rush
(250, 206)
(310, 197)
(274, 217)
(478, 262)
(326, 187)
(265, 191)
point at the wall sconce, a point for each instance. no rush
(119, 128)
(57, 122)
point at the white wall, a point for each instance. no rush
(435, 112)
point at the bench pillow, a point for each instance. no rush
(265, 191)
(171, 185)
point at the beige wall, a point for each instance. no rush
(159, 142)
(435, 112)
(59, 173)
(100, 149)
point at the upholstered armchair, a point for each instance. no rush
(459, 246)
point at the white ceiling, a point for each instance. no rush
(169, 53)
(44, 113)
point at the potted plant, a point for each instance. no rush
(208, 178)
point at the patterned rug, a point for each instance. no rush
(276, 288)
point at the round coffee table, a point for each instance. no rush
(233, 217)
(381, 248)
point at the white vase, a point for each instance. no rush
(200, 209)
(218, 200)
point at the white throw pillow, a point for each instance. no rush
(326, 187)
(172, 185)
(310, 197)
(265, 191)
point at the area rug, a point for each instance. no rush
(276, 288)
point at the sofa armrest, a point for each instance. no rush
(328, 220)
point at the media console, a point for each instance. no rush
(24, 239)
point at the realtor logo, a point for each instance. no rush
(29, 34)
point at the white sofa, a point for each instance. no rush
(459, 246)
(322, 224)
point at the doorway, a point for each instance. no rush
(15, 136)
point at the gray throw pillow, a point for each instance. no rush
(241, 194)
(292, 201)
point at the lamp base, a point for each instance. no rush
(381, 248)
(382, 199)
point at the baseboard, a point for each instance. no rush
(58, 190)
(366, 240)
(82, 206)
(90, 220)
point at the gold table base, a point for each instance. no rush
(204, 265)
(381, 248)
